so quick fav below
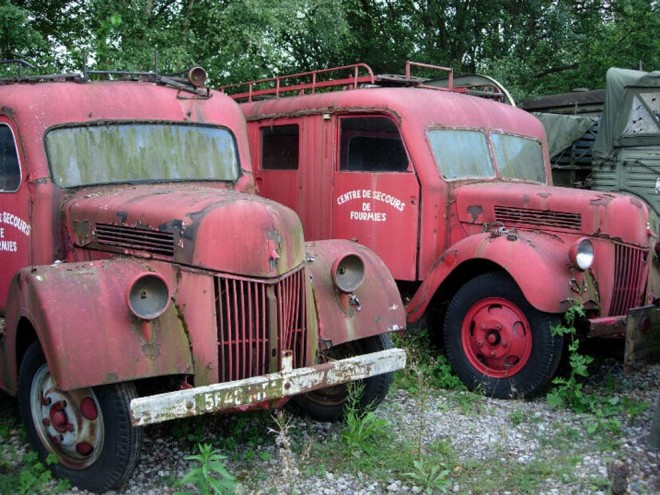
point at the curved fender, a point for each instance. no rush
(538, 263)
(380, 308)
(87, 332)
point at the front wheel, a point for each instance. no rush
(329, 404)
(497, 342)
(89, 430)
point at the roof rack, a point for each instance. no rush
(361, 75)
(191, 80)
(333, 79)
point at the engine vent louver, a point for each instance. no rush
(543, 218)
(123, 237)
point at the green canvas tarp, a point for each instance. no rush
(630, 116)
(563, 130)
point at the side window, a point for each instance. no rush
(279, 147)
(371, 144)
(10, 173)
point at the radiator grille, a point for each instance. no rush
(121, 236)
(628, 279)
(245, 309)
(510, 215)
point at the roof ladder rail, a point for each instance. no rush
(279, 86)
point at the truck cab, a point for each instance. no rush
(141, 280)
(454, 192)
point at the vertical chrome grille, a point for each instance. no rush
(628, 278)
(247, 344)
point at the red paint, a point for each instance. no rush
(235, 265)
(451, 228)
(497, 338)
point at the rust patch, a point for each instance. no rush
(602, 200)
(475, 211)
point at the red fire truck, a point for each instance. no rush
(140, 282)
(454, 193)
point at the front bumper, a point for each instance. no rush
(258, 389)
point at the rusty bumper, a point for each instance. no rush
(285, 383)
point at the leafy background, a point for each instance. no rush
(533, 47)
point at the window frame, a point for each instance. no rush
(18, 160)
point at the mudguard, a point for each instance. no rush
(87, 331)
(538, 263)
(376, 308)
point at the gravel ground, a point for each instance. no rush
(488, 437)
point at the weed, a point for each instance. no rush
(518, 416)
(569, 393)
(211, 475)
(289, 468)
(363, 429)
(190, 429)
(425, 360)
(430, 475)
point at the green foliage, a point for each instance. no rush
(364, 430)
(430, 475)
(210, 476)
(569, 392)
(427, 366)
(30, 476)
(536, 47)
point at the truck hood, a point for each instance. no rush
(548, 208)
(203, 227)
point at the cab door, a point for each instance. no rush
(293, 166)
(15, 228)
(376, 192)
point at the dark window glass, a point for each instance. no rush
(371, 144)
(10, 173)
(279, 147)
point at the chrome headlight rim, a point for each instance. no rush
(581, 254)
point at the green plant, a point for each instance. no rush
(569, 392)
(430, 475)
(426, 362)
(363, 429)
(211, 475)
(189, 429)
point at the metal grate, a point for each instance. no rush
(628, 279)
(120, 236)
(509, 215)
(257, 321)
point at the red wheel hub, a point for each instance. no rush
(496, 337)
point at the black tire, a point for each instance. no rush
(329, 404)
(90, 432)
(497, 342)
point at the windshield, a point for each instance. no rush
(461, 153)
(135, 152)
(465, 154)
(518, 157)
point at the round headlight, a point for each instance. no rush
(348, 272)
(581, 254)
(148, 296)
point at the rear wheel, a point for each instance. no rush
(329, 404)
(89, 430)
(497, 342)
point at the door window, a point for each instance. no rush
(371, 144)
(10, 172)
(279, 147)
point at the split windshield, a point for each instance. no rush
(465, 154)
(138, 152)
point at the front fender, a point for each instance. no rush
(87, 332)
(380, 306)
(538, 263)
